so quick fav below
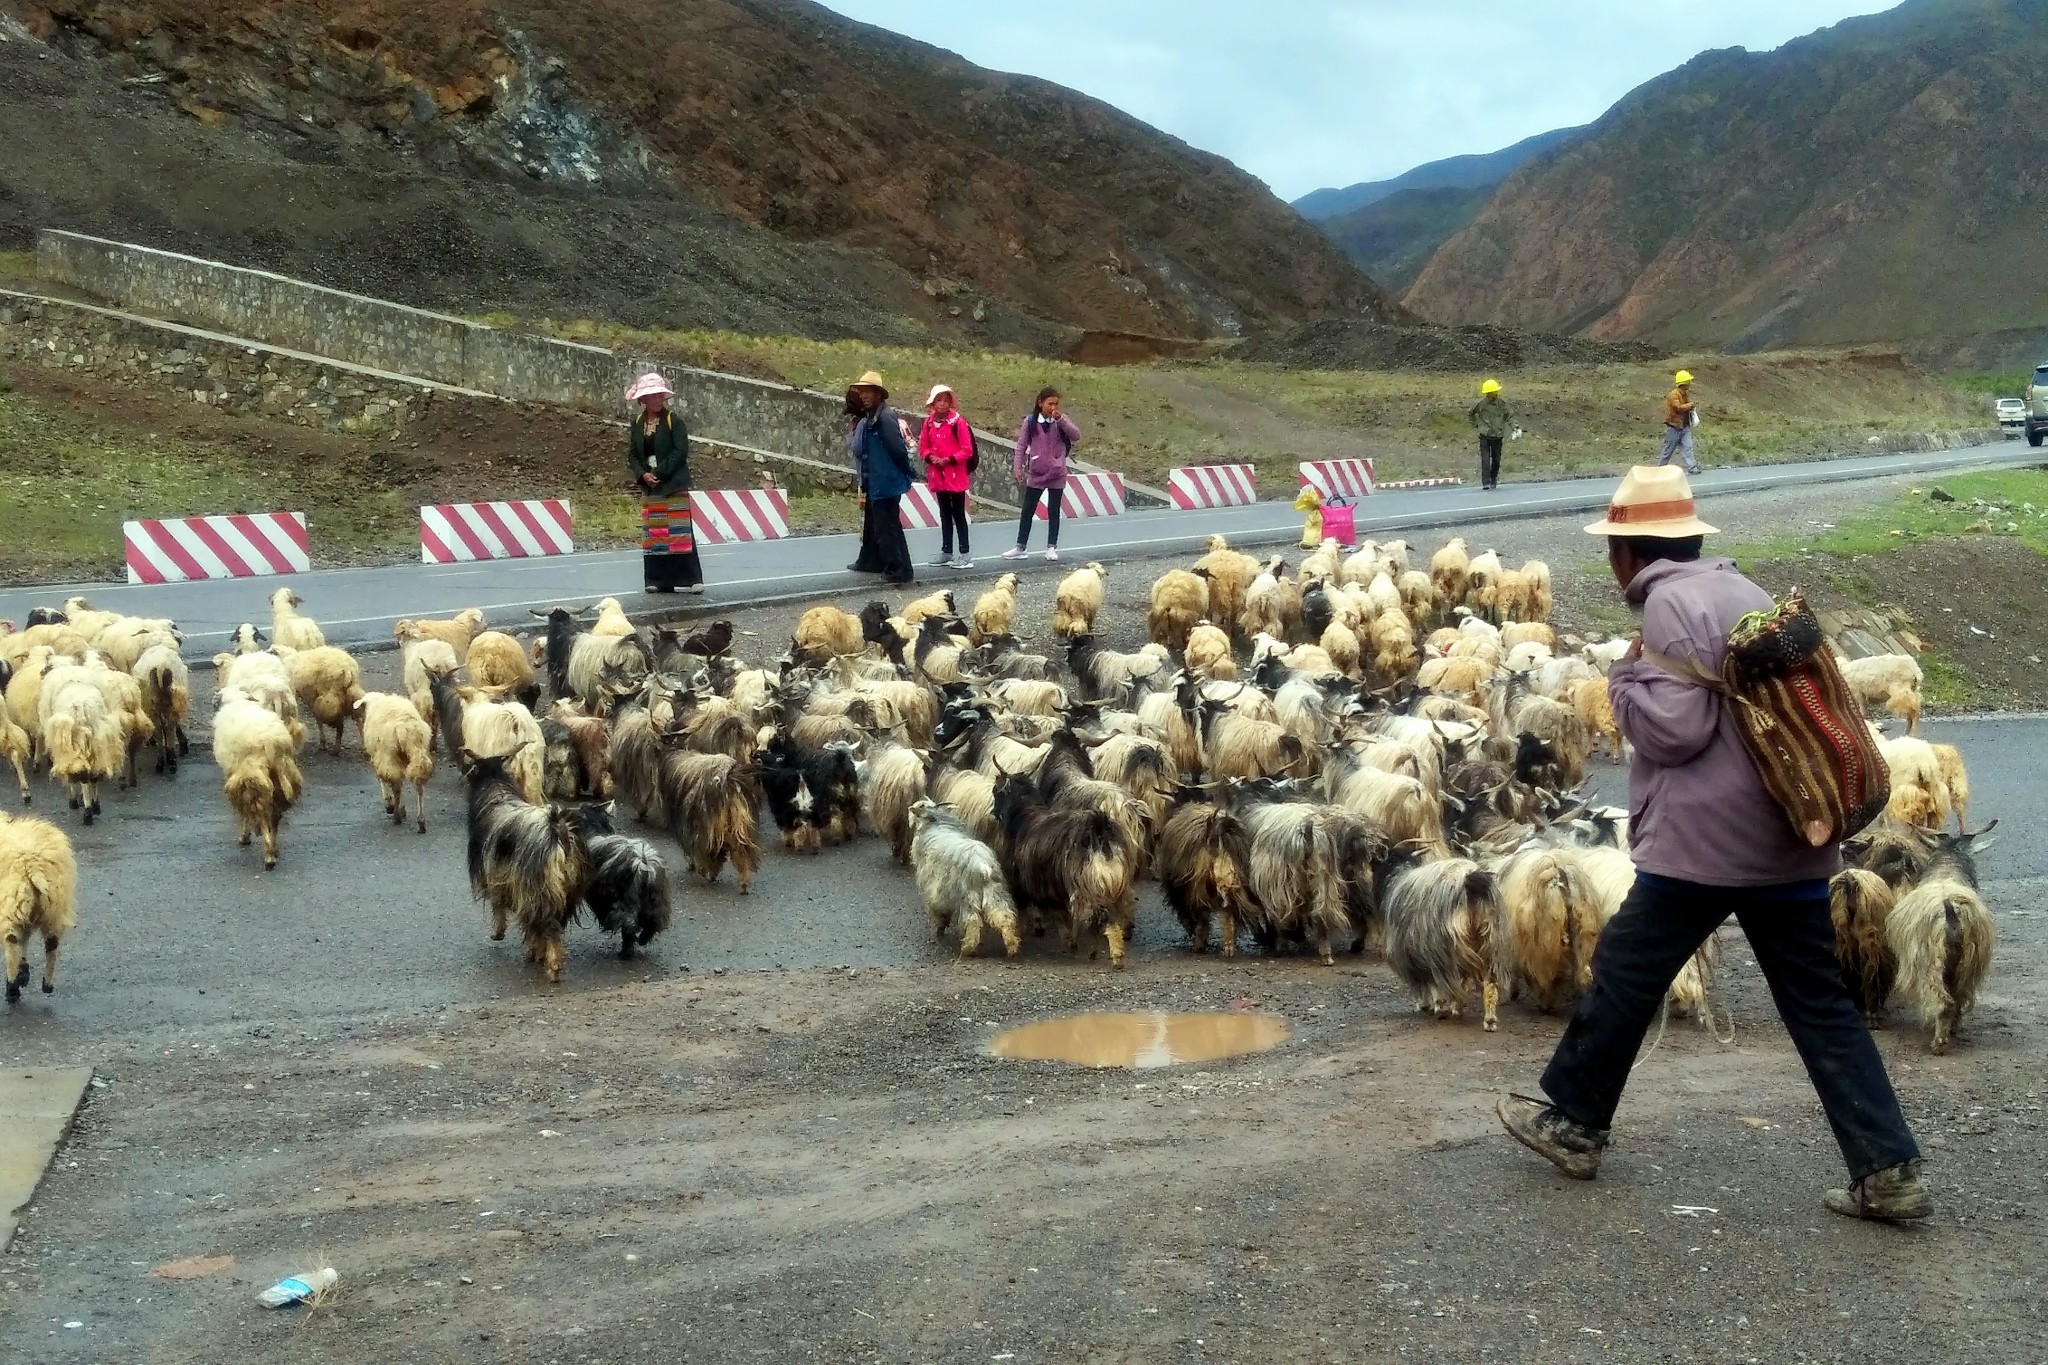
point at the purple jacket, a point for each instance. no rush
(1042, 449)
(1697, 809)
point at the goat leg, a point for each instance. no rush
(970, 933)
(1115, 934)
(1230, 933)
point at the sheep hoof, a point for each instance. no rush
(13, 993)
(423, 827)
(49, 988)
(270, 864)
(88, 815)
(74, 803)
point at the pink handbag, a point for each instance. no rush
(1337, 521)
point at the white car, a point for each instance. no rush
(2012, 414)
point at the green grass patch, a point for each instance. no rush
(1944, 684)
(2010, 502)
(2011, 385)
(68, 481)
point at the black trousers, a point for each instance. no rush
(1661, 924)
(883, 535)
(1489, 461)
(952, 516)
(1053, 497)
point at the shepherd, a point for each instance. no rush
(882, 459)
(658, 462)
(1709, 840)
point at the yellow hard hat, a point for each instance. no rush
(1490, 386)
(1685, 376)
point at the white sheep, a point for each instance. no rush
(38, 896)
(258, 760)
(287, 627)
(1892, 681)
(400, 747)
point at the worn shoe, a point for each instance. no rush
(1571, 1147)
(1895, 1193)
(1052, 552)
(1015, 552)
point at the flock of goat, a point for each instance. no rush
(1358, 752)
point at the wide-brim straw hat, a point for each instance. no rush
(872, 380)
(646, 386)
(1654, 501)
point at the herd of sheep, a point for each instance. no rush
(1360, 752)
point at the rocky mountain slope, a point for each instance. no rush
(1881, 179)
(756, 165)
(1481, 171)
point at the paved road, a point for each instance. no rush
(181, 930)
(358, 606)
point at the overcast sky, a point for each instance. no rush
(1308, 93)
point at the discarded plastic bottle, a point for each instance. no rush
(298, 1289)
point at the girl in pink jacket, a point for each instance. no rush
(946, 443)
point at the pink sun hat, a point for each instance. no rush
(647, 385)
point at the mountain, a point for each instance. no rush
(1472, 172)
(1391, 239)
(757, 165)
(1878, 180)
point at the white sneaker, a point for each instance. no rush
(963, 562)
(1014, 552)
(939, 562)
(1052, 552)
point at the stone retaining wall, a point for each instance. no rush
(220, 371)
(379, 335)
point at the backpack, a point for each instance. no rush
(1799, 720)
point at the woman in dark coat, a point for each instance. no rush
(882, 458)
(658, 460)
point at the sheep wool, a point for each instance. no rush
(1078, 601)
(38, 897)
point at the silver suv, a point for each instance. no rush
(2037, 407)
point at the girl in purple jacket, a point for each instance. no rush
(1045, 443)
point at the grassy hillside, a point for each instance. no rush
(77, 457)
(1579, 419)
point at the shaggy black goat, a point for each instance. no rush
(529, 862)
(628, 890)
(1073, 867)
(814, 797)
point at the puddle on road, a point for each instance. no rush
(1140, 1042)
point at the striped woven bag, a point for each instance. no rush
(1799, 719)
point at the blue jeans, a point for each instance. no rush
(1678, 441)
(1661, 924)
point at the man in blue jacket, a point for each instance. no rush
(885, 476)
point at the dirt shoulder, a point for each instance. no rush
(827, 1164)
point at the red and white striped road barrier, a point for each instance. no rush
(186, 549)
(919, 510)
(1089, 495)
(1416, 483)
(1212, 485)
(722, 516)
(1352, 478)
(463, 532)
